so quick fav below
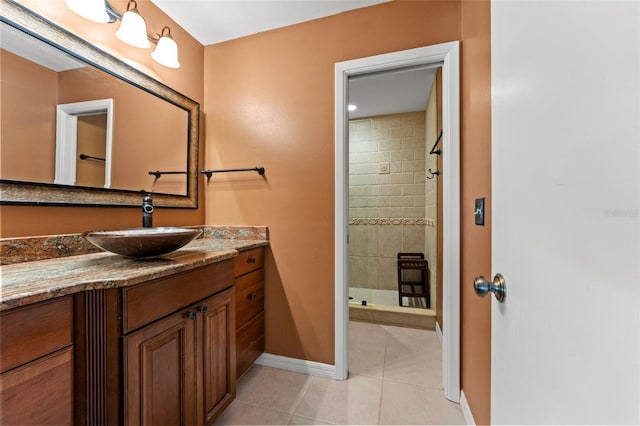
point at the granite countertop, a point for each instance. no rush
(29, 282)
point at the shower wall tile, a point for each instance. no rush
(390, 145)
(390, 240)
(390, 212)
(387, 273)
(413, 189)
(363, 240)
(419, 201)
(388, 190)
(363, 124)
(396, 167)
(413, 239)
(401, 178)
(388, 198)
(365, 212)
(406, 155)
(363, 191)
(400, 201)
(413, 212)
(413, 166)
(416, 142)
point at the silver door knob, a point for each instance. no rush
(497, 287)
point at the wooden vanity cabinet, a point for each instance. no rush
(161, 352)
(177, 368)
(36, 364)
(249, 288)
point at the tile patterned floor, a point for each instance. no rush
(394, 378)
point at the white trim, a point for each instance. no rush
(296, 365)
(466, 410)
(439, 332)
(67, 138)
(448, 55)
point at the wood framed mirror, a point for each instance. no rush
(152, 137)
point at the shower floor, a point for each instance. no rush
(382, 308)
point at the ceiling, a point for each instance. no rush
(391, 92)
(215, 21)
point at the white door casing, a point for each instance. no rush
(448, 55)
(67, 138)
(566, 211)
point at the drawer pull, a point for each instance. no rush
(251, 260)
(202, 309)
(190, 315)
(253, 296)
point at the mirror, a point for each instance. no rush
(81, 127)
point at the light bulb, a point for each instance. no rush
(94, 10)
(166, 53)
(133, 29)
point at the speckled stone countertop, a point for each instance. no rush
(34, 281)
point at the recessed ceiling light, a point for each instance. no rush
(352, 107)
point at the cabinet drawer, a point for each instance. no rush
(147, 302)
(249, 296)
(40, 392)
(248, 261)
(33, 331)
(249, 344)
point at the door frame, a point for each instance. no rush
(67, 138)
(447, 54)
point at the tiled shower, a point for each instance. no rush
(392, 204)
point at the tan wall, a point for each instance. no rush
(270, 101)
(29, 98)
(92, 133)
(188, 79)
(476, 183)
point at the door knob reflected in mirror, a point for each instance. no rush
(497, 287)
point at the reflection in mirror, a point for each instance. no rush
(68, 124)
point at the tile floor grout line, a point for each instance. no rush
(384, 366)
(300, 396)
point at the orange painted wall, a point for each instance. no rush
(29, 98)
(269, 100)
(188, 80)
(476, 183)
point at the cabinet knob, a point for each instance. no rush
(190, 315)
(253, 296)
(251, 260)
(202, 309)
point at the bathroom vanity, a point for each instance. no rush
(101, 339)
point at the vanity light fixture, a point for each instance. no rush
(93, 10)
(133, 29)
(166, 52)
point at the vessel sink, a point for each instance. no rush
(142, 242)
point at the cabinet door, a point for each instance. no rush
(40, 392)
(159, 370)
(218, 354)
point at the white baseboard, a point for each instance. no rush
(296, 365)
(439, 332)
(466, 410)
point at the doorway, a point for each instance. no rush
(394, 122)
(446, 54)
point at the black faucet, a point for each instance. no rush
(147, 211)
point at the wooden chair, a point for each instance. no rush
(413, 288)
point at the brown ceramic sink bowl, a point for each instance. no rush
(142, 242)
